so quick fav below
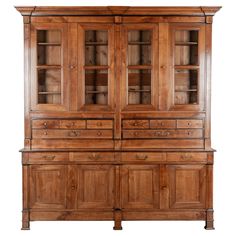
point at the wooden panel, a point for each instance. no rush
(187, 157)
(135, 124)
(190, 124)
(92, 186)
(162, 143)
(41, 157)
(154, 134)
(140, 186)
(163, 124)
(58, 124)
(71, 134)
(92, 156)
(99, 124)
(187, 186)
(48, 186)
(143, 156)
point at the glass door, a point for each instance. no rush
(96, 52)
(139, 67)
(48, 67)
(188, 59)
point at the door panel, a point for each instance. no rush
(48, 186)
(91, 186)
(187, 185)
(140, 186)
(49, 67)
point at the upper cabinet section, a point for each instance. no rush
(48, 70)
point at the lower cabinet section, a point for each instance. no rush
(140, 186)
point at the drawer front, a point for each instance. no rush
(143, 156)
(193, 124)
(38, 157)
(72, 134)
(135, 124)
(163, 124)
(92, 156)
(99, 124)
(58, 124)
(187, 156)
(187, 133)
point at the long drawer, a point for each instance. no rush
(182, 133)
(71, 134)
(41, 157)
(93, 156)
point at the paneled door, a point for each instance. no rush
(48, 186)
(187, 186)
(139, 85)
(95, 67)
(91, 186)
(49, 67)
(140, 186)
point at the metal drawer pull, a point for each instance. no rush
(186, 157)
(94, 157)
(141, 157)
(45, 124)
(70, 125)
(49, 158)
(162, 134)
(99, 124)
(74, 133)
(99, 133)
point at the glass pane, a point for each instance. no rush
(96, 87)
(186, 47)
(49, 55)
(49, 36)
(96, 47)
(139, 47)
(49, 86)
(186, 86)
(139, 87)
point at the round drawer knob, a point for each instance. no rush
(99, 133)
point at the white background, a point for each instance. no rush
(223, 128)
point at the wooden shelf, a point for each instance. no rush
(96, 67)
(40, 67)
(96, 43)
(48, 93)
(139, 90)
(139, 43)
(49, 44)
(186, 67)
(185, 43)
(186, 90)
(96, 92)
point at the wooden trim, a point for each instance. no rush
(116, 10)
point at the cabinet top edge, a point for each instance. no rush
(116, 10)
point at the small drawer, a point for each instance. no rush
(162, 124)
(184, 133)
(135, 124)
(40, 157)
(92, 156)
(71, 134)
(194, 124)
(143, 156)
(187, 157)
(58, 124)
(99, 124)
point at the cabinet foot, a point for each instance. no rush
(209, 220)
(25, 220)
(117, 220)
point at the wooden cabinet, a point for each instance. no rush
(117, 114)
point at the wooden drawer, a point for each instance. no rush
(194, 124)
(92, 156)
(135, 124)
(99, 124)
(184, 133)
(58, 124)
(187, 156)
(143, 156)
(39, 157)
(163, 124)
(72, 134)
